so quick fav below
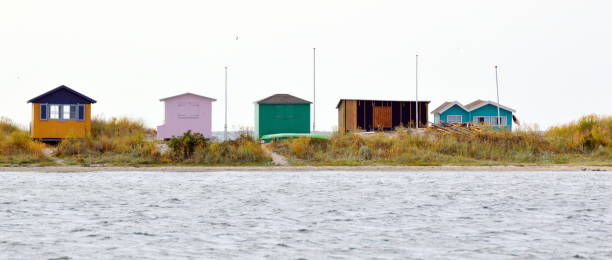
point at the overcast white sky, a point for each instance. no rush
(555, 56)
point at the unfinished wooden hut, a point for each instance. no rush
(380, 115)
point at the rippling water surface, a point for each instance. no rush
(310, 215)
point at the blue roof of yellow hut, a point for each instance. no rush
(62, 95)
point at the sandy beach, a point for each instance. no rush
(303, 168)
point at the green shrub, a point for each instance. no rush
(242, 150)
(184, 146)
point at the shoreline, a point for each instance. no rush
(497, 168)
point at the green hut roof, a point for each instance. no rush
(283, 99)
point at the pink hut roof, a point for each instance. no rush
(187, 94)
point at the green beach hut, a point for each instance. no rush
(282, 113)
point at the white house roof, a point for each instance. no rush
(447, 105)
(469, 107)
(481, 103)
(187, 94)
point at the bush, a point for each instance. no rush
(70, 146)
(242, 150)
(184, 146)
(365, 153)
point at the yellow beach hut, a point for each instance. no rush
(61, 113)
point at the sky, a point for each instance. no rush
(554, 57)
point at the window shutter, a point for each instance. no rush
(43, 111)
(74, 112)
(81, 112)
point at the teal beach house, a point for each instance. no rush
(479, 112)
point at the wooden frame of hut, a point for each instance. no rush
(380, 115)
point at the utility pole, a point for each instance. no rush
(417, 90)
(314, 89)
(225, 126)
(498, 121)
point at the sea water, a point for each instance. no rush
(308, 215)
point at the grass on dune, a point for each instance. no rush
(586, 141)
(121, 141)
(16, 146)
(589, 134)
(113, 141)
(195, 149)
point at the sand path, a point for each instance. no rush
(277, 159)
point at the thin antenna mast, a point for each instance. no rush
(498, 121)
(225, 126)
(314, 89)
(417, 90)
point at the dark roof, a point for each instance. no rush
(62, 94)
(283, 99)
(340, 102)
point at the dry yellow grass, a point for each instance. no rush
(588, 134)
(113, 141)
(195, 149)
(588, 140)
(16, 146)
(120, 141)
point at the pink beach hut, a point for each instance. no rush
(186, 112)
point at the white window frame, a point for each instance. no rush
(456, 119)
(66, 112)
(57, 112)
(501, 121)
(491, 120)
